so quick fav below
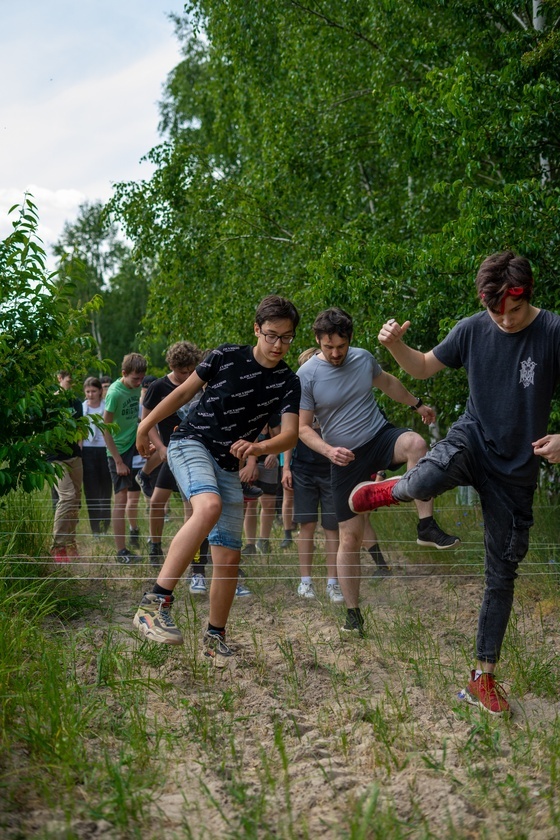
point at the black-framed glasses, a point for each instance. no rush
(272, 338)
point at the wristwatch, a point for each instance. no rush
(417, 405)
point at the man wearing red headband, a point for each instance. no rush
(511, 352)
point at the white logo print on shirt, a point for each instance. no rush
(527, 373)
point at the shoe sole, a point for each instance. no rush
(474, 701)
(198, 591)
(435, 545)
(148, 633)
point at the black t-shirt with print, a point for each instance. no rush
(240, 397)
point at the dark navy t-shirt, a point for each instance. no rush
(158, 391)
(239, 399)
(512, 378)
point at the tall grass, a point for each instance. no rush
(309, 733)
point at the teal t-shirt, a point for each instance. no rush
(123, 402)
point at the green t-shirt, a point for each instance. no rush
(123, 402)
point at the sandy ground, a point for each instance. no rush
(311, 733)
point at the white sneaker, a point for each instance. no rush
(305, 590)
(334, 593)
(198, 585)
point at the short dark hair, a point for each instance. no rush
(274, 308)
(134, 363)
(500, 272)
(183, 354)
(333, 320)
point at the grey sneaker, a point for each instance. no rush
(214, 649)
(334, 593)
(153, 620)
(432, 535)
(263, 546)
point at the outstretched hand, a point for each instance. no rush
(427, 414)
(391, 332)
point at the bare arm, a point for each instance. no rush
(287, 470)
(336, 454)
(177, 398)
(287, 438)
(417, 364)
(154, 437)
(122, 469)
(394, 389)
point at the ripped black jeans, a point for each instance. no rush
(507, 511)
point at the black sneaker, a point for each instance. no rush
(354, 624)
(251, 492)
(134, 537)
(249, 550)
(432, 535)
(155, 552)
(145, 483)
(127, 558)
(382, 571)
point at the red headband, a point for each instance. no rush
(515, 292)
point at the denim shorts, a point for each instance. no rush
(197, 472)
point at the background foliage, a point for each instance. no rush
(361, 154)
(40, 332)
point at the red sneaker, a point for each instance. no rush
(488, 694)
(60, 555)
(370, 495)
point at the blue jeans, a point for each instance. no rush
(196, 472)
(507, 511)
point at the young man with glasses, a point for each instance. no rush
(243, 387)
(358, 440)
(511, 352)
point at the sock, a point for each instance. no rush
(376, 555)
(426, 520)
(355, 612)
(220, 630)
(332, 581)
(305, 579)
(287, 533)
(159, 590)
(477, 674)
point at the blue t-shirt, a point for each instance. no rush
(512, 378)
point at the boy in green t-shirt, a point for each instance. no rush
(122, 407)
